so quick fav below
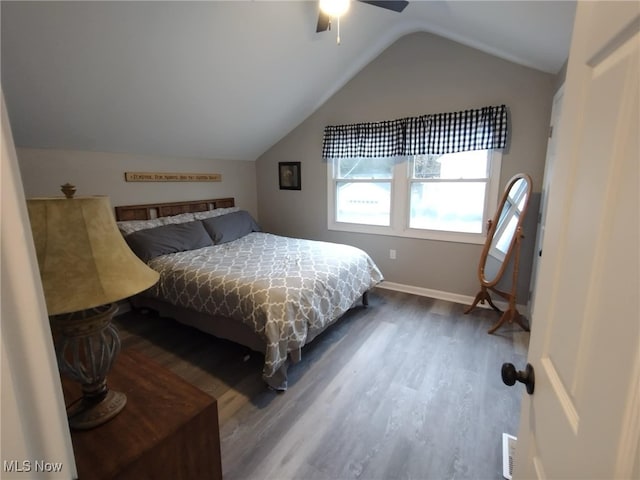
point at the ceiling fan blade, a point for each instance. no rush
(395, 5)
(324, 22)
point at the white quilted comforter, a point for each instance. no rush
(283, 288)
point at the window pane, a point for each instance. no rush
(461, 165)
(447, 206)
(504, 238)
(363, 202)
(378, 168)
(427, 166)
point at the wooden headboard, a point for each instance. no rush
(155, 210)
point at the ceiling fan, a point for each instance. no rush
(324, 17)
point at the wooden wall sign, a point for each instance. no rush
(171, 177)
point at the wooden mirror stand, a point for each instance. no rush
(503, 244)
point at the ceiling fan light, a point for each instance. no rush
(334, 8)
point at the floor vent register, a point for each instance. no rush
(508, 452)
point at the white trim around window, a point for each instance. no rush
(400, 195)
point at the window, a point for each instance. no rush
(444, 197)
(448, 191)
(433, 176)
(363, 190)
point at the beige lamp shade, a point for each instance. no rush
(83, 258)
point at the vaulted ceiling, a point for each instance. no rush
(223, 80)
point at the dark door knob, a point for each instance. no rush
(510, 376)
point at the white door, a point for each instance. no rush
(583, 419)
(552, 143)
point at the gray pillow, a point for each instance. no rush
(231, 226)
(153, 242)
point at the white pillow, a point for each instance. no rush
(175, 219)
(129, 226)
(215, 213)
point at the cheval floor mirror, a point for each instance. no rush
(503, 243)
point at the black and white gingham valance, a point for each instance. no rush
(479, 129)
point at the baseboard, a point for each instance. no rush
(442, 295)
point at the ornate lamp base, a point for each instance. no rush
(86, 346)
(89, 414)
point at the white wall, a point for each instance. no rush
(97, 173)
(34, 422)
(419, 74)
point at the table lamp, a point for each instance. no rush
(85, 266)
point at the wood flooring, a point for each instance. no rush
(408, 388)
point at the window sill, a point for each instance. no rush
(457, 237)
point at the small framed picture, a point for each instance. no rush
(289, 175)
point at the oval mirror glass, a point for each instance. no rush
(506, 224)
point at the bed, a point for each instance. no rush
(221, 274)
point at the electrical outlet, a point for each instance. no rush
(392, 254)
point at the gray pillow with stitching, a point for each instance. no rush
(231, 226)
(172, 238)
